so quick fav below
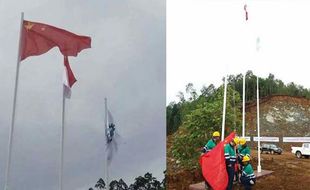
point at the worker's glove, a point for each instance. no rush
(251, 182)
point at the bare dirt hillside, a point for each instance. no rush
(280, 116)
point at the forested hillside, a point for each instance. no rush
(177, 111)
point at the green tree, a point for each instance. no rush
(208, 91)
(173, 117)
(191, 91)
(181, 96)
(100, 184)
(118, 185)
(146, 182)
(201, 122)
(113, 185)
(122, 185)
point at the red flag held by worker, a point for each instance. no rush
(246, 12)
(213, 165)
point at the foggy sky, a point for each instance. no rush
(212, 39)
(126, 64)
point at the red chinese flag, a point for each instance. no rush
(38, 38)
(213, 165)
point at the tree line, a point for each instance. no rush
(202, 116)
(177, 111)
(146, 182)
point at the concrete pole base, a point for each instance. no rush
(259, 169)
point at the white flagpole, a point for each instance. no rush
(106, 127)
(259, 168)
(224, 108)
(8, 167)
(243, 108)
(243, 86)
(62, 138)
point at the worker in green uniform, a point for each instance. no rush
(230, 157)
(247, 177)
(212, 142)
(242, 150)
(208, 147)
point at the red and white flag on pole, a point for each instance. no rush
(68, 78)
(246, 12)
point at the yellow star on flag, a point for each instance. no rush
(29, 25)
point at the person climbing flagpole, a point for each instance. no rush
(10, 144)
(111, 143)
(37, 39)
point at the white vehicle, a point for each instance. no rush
(302, 151)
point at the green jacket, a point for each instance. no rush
(248, 173)
(209, 146)
(230, 154)
(242, 151)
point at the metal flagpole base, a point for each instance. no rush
(259, 169)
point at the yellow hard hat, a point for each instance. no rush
(245, 158)
(216, 134)
(236, 140)
(242, 141)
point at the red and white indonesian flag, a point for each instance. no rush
(68, 78)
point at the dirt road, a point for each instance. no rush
(290, 173)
